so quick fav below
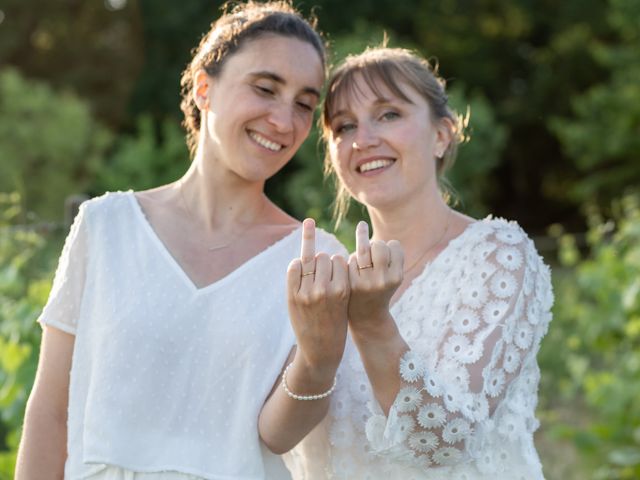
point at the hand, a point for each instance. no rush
(375, 273)
(318, 306)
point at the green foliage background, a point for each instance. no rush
(89, 103)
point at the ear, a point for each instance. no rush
(201, 89)
(444, 135)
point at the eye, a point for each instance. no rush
(343, 128)
(263, 90)
(305, 106)
(389, 115)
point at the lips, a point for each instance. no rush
(374, 164)
(265, 142)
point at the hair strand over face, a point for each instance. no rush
(390, 69)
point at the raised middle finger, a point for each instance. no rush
(363, 248)
(308, 249)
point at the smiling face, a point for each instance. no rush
(259, 109)
(384, 147)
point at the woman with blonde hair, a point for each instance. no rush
(439, 377)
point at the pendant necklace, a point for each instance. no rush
(220, 246)
(444, 234)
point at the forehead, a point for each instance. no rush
(367, 86)
(289, 57)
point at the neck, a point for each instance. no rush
(217, 197)
(417, 224)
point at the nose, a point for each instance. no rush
(366, 137)
(281, 117)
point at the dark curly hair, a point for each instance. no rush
(238, 24)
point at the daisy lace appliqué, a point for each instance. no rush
(458, 405)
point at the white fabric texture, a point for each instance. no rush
(167, 377)
(477, 311)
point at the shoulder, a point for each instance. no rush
(107, 202)
(108, 206)
(515, 251)
(503, 241)
(498, 232)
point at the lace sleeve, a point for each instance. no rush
(493, 307)
(63, 305)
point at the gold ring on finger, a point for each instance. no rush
(366, 266)
(309, 273)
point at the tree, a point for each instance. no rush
(50, 145)
(602, 137)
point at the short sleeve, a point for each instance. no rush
(63, 305)
(491, 311)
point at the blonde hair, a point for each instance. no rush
(383, 67)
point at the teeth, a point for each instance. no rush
(375, 164)
(274, 147)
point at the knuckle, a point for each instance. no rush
(338, 288)
(306, 259)
(322, 256)
(294, 264)
(394, 244)
(379, 284)
(319, 293)
(338, 260)
(304, 298)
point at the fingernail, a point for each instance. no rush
(309, 222)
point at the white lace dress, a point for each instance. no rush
(473, 320)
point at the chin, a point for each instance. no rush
(376, 201)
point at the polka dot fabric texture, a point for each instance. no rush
(473, 320)
(167, 377)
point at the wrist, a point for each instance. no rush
(305, 397)
(304, 379)
(376, 328)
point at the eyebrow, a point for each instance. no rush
(278, 79)
(377, 102)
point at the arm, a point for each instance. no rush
(373, 329)
(498, 304)
(43, 451)
(318, 312)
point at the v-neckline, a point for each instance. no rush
(175, 265)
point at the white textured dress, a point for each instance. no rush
(167, 379)
(473, 320)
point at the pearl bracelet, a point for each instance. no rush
(305, 397)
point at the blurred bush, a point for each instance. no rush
(146, 159)
(591, 357)
(50, 145)
(25, 271)
(603, 137)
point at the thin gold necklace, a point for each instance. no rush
(444, 234)
(220, 246)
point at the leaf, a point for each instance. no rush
(626, 457)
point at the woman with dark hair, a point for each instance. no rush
(446, 313)
(167, 326)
